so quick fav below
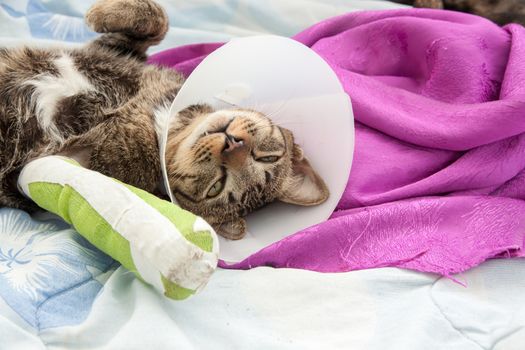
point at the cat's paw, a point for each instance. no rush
(235, 229)
(137, 18)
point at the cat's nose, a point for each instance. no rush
(232, 143)
(235, 152)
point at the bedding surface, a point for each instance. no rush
(59, 292)
(267, 308)
(293, 309)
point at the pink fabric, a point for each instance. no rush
(438, 179)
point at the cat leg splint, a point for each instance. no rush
(165, 246)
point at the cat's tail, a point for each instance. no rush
(128, 26)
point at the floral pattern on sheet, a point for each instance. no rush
(49, 274)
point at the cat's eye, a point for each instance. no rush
(215, 189)
(267, 159)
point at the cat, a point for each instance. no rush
(499, 11)
(103, 105)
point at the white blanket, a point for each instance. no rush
(268, 308)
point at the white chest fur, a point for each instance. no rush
(51, 89)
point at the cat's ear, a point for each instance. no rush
(303, 186)
(235, 229)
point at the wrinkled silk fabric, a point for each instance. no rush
(438, 178)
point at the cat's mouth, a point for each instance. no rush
(231, 142)
(218, 128)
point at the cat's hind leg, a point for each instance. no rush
(433, 4)
(128, 26)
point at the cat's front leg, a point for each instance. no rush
(124, 147)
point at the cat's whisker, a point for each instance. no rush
(177, 175)
(285, 123)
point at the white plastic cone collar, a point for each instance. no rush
(298, 90)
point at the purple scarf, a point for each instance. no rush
(438, 179)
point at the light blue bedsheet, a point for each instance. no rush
(49, 274)
(191, 21)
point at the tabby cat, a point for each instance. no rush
(500, 11)
(102, 105)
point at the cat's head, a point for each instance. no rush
(224, 164)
